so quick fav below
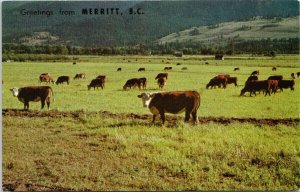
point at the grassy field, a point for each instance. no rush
(85, 150)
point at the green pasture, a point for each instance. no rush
(215, 102)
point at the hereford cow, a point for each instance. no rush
(275, 77)
(172, 102)
(45, 77)
(285, 84)
(119, 69)
(253, 86)
(217, 82)
(161, 82)
(33, 93)
(162, 75)
(132, 83)
(255, 72)
(236, 69)
(143, 82)
(274, 69)
(80, 76)
(96, 83)
(251, 78)
(141, 69)
(232, 80)
(62, 79)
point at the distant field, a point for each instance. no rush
(241, 142)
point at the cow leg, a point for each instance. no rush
(43, 103)
(162, 117)
(195, 118)
(26, 105)
(187, 115)
(153, 119)
(48, 102)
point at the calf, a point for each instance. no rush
(62, 79)
(162, 75)
(232, 80)
(285, 84)
(80, 76)
(141, 69)
(96, 83)
(255, 72)
(45, 77)
(132, 83)
(236, 69)
(275, 77)
(217, 82)
(172, 102)
(33, 93)
(161, 82)
(253, 86)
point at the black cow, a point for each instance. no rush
(62, 79)
(285, 84)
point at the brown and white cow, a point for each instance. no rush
(96, 83)
(80, 76)
(33, 93)
(161, 82)
(172, 102)
(45, 77)
(62, 79)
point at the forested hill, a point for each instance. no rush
(160, 18)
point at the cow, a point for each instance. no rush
(132, 83)
(293, 75)
(33, 93)
(275, 77)
(231, 80)
(103, 77)
(162, 75)
(273, 85)
(285, 84)
(253, 86)
(236, 69)
(119, 69)
(141, 69)
(178, 64)
(251, 78)
(184, 68)
(143, 82)
(298, 74)
(96, 83)
(217, 82)
(167, 68)
(62, 79)
(45, 77)
(74, 63)
(255, 73)
(80, 76)
(274, 69)
(161, 82)
(172, 102)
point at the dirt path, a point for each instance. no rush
(147, 117)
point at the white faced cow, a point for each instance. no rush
(33, 93)
(173, 102)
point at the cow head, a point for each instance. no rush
(146, 98)
(15, 91)
(243, 91)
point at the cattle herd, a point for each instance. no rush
(159, 102)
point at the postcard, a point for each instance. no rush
(150, 95)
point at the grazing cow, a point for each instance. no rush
(142, 82)
(132, 83)
(274, 69)
(293, 75)
(275, 77)
(74, 63)
(62, 79)
(236, 69)
(255, 72)
(119, 69)
(33, 93)
(178, 64)
(253, 86)
(184, 68)
(217, 82)
(167, 68)
(141, 69)
(161, 82)
(45, 77)
(285, 84)
(80, 76)
(298, 74)
(162, 75)
(96, 83)
(231, 80)
(251, 78)
(172, 102)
